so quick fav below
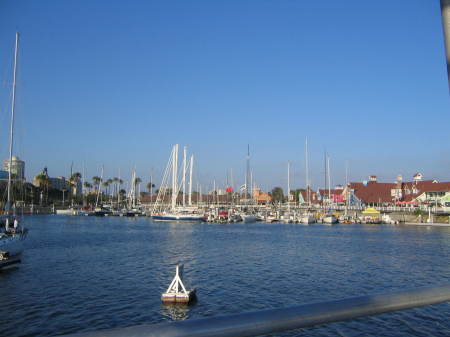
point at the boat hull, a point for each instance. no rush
(175, 217)
(307, 219)
(249, 218)
(12, 244)
(329, 220)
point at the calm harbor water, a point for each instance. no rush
(85, 273)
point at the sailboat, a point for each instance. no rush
(174, 212)
(12, 234)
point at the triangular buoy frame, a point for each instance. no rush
(176, 292)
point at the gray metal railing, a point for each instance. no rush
(276, 320)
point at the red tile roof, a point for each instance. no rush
(373, 192)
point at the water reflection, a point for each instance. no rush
(175, 311)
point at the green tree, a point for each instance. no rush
(96, 181)
(277, 194)
(88, 185)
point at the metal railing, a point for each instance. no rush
(445, 10)
(276, 320)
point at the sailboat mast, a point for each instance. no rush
(11, 131)
(191, 168)
(289, 186)
(329, 179)
(247, 174)
(307, 173)
(325, 176)
(174, 175)
(184, 175)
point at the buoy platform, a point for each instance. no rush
(177, 293)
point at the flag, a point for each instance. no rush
(242, 188)
(229, 189)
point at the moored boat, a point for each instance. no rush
(329, 219)
(307, 219)
(173, 216)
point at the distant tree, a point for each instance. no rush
(277, 194)
(116, 183)
(96, 180)
(87, 185)
(73, 182)
(296, 193)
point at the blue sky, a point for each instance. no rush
(117, 83)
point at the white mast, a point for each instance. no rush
(133, 189)
(184, 175)
(174, 175)
(191, 167)
(289, 186)
(251, 185)
(307, 173)
(11, 133)
(329, 179)
(247, 174)
(82, 186)
(346, 187)
(151, 185)
(118, 191)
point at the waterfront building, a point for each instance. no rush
(17, 167)
(445, 202)
(312, 198)
(332, 196)
(260, 197)
(415, 192)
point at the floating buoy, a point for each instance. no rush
(177, 293)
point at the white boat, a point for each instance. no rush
(329, 219)
(12, 233)
(66, 211)
(178, 217)
(307, 219)
(11, 242)
(175, 212)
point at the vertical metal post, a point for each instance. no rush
(445, 9)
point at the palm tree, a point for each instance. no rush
(109, 181)
(150, 186)
(115, 180)
(88, 185)
(106, 185)
(43, 182)
(137, 182)
(73, 181)
(119, 194)
(96, 181)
